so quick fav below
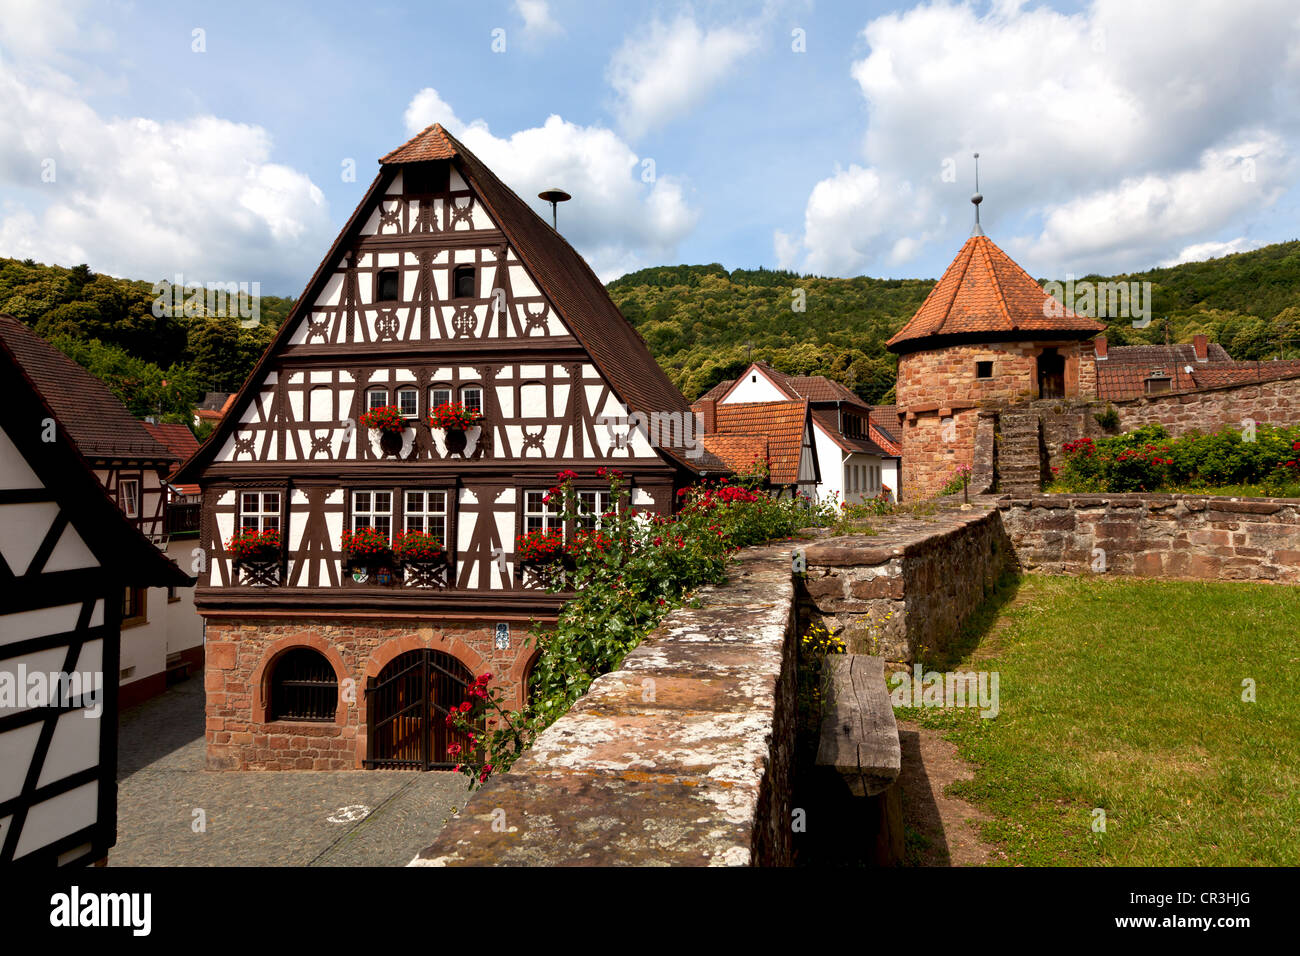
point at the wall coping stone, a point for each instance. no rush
(905, 536)
(678, 779)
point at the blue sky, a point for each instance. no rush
(1113, 135)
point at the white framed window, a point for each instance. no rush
(376, 398)
(128, 497)
(373, 509)
(426, 511)
(406, 402)
(591, 505)
(259, 510)
(439, 395)
(471, 396)
(540, 515)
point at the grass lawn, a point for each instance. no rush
(1126, 695)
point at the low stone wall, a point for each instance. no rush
(1276, 402)
(1151, 535)
(681, 757)
(912, 586)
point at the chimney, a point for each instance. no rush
(1099, 347)
(1202, 345)
(708, 416)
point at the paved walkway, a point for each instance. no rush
(284, 818)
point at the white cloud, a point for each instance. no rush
(664, 71)
(145, 199)
(1201, 251)
(1107, 126)
(617, 220)
(537, 17)
(1119, 224)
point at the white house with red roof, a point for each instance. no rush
(858, 456)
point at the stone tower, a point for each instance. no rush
(986, 336)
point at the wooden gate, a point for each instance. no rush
(407, 706)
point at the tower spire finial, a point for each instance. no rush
(977, 199)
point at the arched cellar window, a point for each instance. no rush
(303, 687)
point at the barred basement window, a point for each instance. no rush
(303, 687)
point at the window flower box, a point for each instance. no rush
(388, 431)
(422, 559)
(256, 556)
(456, 429)
(367, 554)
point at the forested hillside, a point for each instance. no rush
(157, 365)
(702, 323)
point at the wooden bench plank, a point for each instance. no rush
(859, 736)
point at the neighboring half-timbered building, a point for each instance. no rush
(67, 556)
(444, 288)
(159, 628)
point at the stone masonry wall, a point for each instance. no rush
(1277, 403)
(1163, 536)
(240, 651)
(909, 589)
(683, 756)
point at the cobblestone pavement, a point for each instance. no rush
(280, 818)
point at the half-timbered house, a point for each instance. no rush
(159, 627)
(67, 556)
(443, 288)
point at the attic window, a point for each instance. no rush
(387, 286)
(1157, 385)
(423, 179)
(463, 282)
(753, 378)
(983, 369)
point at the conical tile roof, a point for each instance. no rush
(985, 294)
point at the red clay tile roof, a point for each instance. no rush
(739, 452)
(181, 442)
(984, 292)
(1125, 380)
(99, 423)
(1243, 373)
(432, 142)
(178, 438)
(782, 424)
(716, 392)
(819, 388)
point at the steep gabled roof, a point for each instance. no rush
(781, 424)
(562, 275)
(99, 423)
(125, 554)
(985, 295)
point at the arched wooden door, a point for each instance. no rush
(407, 706)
